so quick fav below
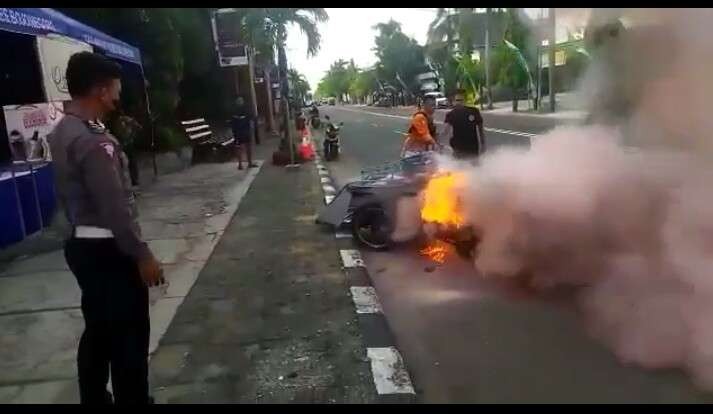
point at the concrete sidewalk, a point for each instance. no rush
(258, 309)
(270, 319)
(183, 216)
(570, 108)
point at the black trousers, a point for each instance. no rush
(116, 316)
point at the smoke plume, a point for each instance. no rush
(622, 210)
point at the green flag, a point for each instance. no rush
(522, 61)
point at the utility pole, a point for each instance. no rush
(538, 36)
(253, 94)
(552, 45)
(487, 58)
(267, 80)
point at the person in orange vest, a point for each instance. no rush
(422, 131)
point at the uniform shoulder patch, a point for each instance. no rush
(108, 148)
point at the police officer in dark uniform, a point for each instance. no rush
(105, 252)
(464, 125)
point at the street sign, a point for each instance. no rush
(228, 39)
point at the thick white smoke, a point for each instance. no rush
(632, 230)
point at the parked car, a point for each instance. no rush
(441, 100)
(383, 102)
(332, 101)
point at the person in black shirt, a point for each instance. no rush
(464, 125)
(241, 123)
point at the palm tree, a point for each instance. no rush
(450, 45)
(442, 37)
(298, 83)
(269, 25)
(443, 30)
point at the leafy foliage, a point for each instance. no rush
(400, 58)
(179, 58)
(298, 84)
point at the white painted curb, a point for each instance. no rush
(351, 258)
(365, 299)
(390, 376)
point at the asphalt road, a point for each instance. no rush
(463, 342)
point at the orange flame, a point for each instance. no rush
(435, 251)
(440, 201)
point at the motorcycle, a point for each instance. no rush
(315, 121)
(376, 207)
(331, 140)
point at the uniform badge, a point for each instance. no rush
(471, 118)
(96, 127)
(109, 148)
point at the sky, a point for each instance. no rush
(348, 34)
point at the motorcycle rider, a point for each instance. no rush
(314, 116)
(331, 138)
(422, 134)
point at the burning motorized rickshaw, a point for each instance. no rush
(401, 202)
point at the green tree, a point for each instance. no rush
(363, 84)
(513, 58)
(270, 24)
(399, 58)
(298, 85)
(266, 31)
(338, 79)
(154, 31)
(441, 46)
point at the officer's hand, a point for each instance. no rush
(151, 272)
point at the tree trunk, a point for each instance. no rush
(515, 100)
(282, 57)
(553, 45)
(487, 59)
(268, 92)
(253, 95)
(482, 98)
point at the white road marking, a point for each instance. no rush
(387, 367)
(343, 235)
(365, 299)
(498, 130)
(323, 172)
(401, 132)
(328, 199)
(325, 180)
(329, 189)
(351, 258)
(507, 131)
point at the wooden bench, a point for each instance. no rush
(205, 143)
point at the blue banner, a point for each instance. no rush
(41, 21)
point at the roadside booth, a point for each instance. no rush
(38, 43)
